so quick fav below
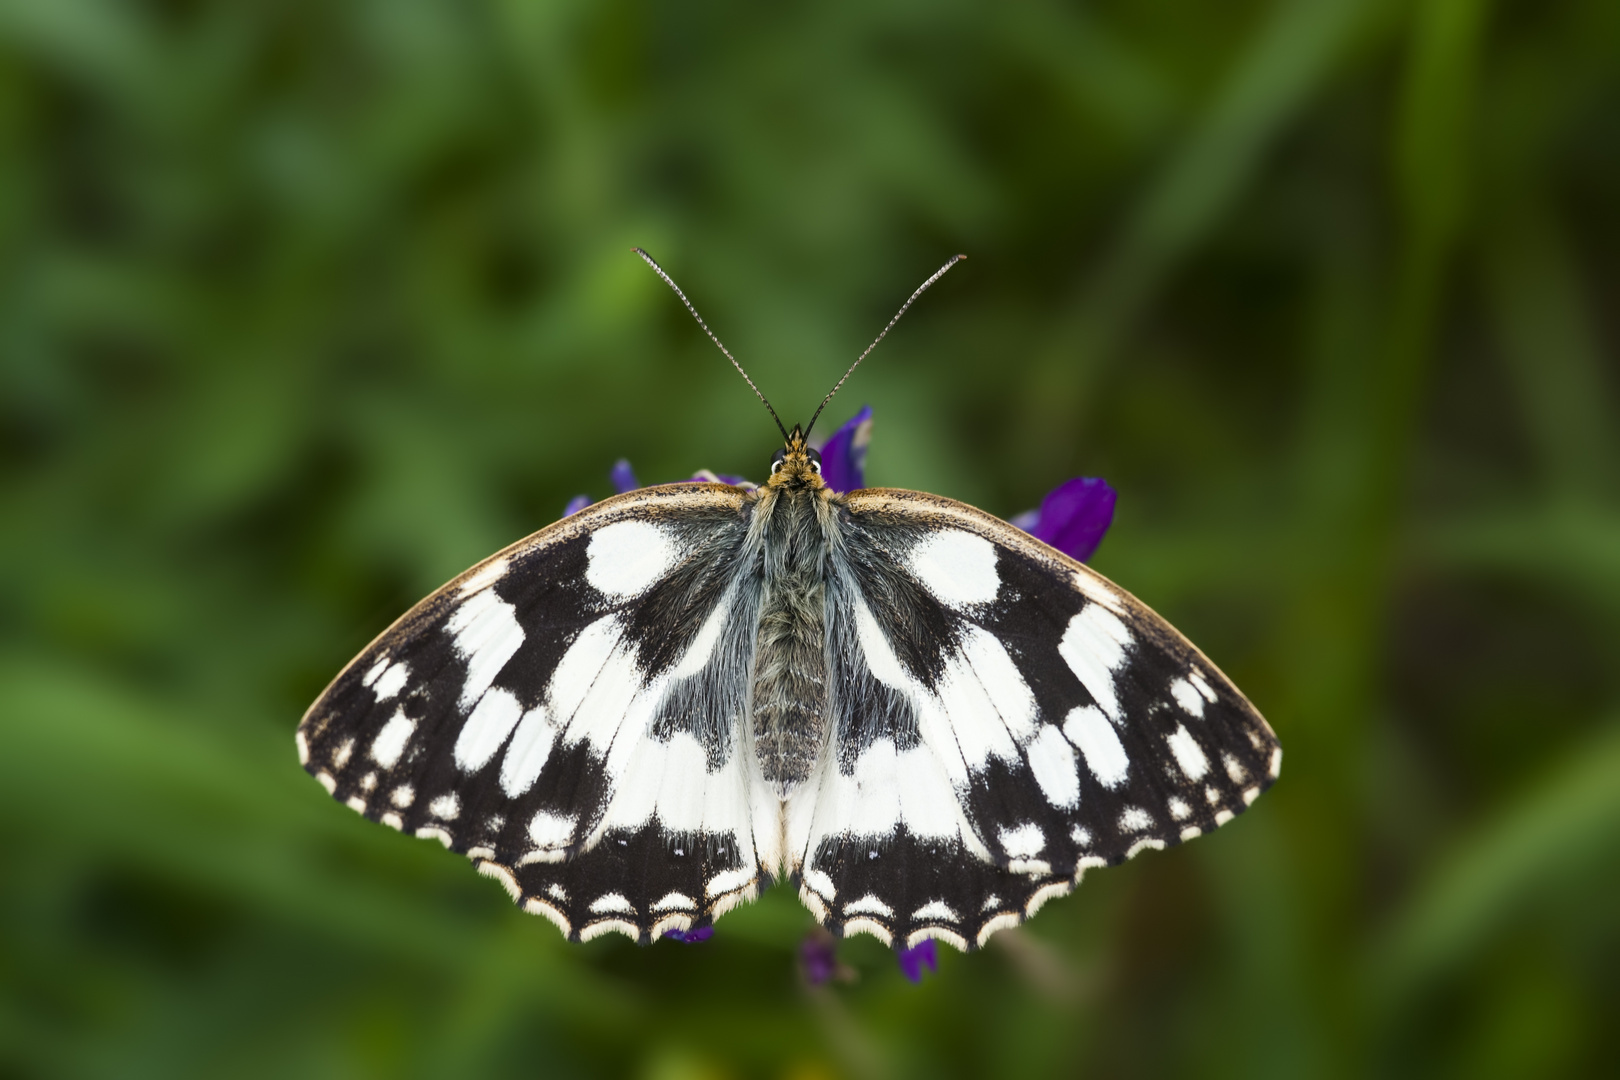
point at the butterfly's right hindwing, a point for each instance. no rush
(568, 714)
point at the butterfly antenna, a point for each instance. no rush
(920, 290)
(659, 270)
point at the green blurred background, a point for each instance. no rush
(306, 306)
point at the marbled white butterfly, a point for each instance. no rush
(925, 719)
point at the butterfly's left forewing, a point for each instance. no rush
(1004, 718)
(567, 714)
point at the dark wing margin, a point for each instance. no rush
(567, 714)
(1004, 719)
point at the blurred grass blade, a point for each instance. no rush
(1568, 823)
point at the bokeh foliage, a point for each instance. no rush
(306, 306)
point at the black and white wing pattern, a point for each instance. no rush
(568, 713)
(1003, 719)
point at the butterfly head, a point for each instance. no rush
(797, 464)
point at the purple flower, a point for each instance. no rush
(623, 478)
(912, 960)
(704, 476)
(1073, 517)
(695, 936)
(843, 455)
(576, 504)
(818, 959)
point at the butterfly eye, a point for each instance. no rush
(815, 461)
(776, 461)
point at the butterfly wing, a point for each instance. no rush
(567, 714)
(1004, 718)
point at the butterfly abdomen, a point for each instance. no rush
(790, 667)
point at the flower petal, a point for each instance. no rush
(913, 960)
(576, 504)
(1073, 516)
(843, 455)
(705, 476)
(818, 957)
(623, 479)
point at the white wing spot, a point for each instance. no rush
(869, 905)
(729, 881)
(390, 742)
(702, 647)
(1080, 835)
(340, 756)
(1135, 819)
(1025, 841)
(368, 781)
(403, 796)
(1094, 646)
(557, 892)
(935, 909)
(958, 567)
(612, 902)
(446, 807)
(991, 902)
(1213, 796)
(821, 883)
(392, 820)
(491, 721)
(1097, 741)
(486, 577)
(1249, 795)
(1051, 759)
(1276, 761)
(357, 804)
(1189, 755)
(628, 556)
(1191, 832)
(327, 782)
(392, 681)
(1223, 816)
(429, 832)
(1188, 697)
(674, 902)
(550, 830)
(1092, 587)
(1146, 844)
(487, 635)
(1203, 687)
(1179, 810)
(527, 753)
(1234, 768)
(376, 669)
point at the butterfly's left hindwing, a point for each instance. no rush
(568, 714)
(1004, 719)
